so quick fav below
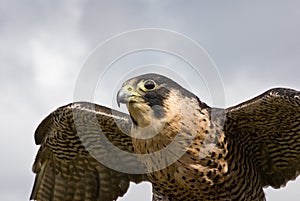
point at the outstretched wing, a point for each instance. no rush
(69, 166)
(269, 125)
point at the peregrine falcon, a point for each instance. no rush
(209, 153)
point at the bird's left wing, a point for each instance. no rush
(268, 127)
(76, 142)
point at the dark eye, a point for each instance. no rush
(149, 84)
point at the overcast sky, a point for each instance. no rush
(44, 44)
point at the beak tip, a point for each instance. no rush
(122, 97)
(118, 98)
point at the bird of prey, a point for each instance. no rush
(193, 151)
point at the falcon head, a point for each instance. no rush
(151, 97)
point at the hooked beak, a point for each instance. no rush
(123, 96)
(127, 94)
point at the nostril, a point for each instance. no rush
(129, 88)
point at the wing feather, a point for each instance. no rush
(66, 170)
(270, 123)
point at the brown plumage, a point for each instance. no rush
(66, 170)
(218, 154)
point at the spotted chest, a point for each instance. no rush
(186, 163)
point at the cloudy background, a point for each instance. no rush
(44, 44)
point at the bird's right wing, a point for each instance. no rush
(77, 143)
